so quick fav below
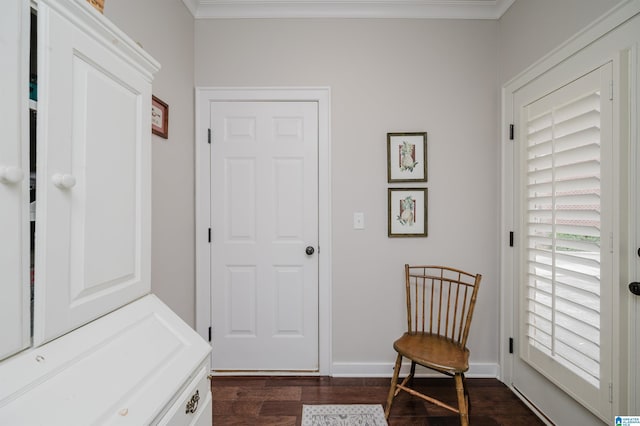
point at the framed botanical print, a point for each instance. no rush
(407, 216)
(159, 118)
(407, 157)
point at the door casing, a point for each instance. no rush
(321, 95)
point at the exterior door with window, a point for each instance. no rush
(566, 275)
(264, 234)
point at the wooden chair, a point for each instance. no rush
(440, 302)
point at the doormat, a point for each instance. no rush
(343, 415)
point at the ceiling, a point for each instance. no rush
(434, 9)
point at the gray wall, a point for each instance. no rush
(531, 29)
(165, 29)
(438, 76)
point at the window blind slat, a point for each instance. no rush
(583, 264)
(540, 148)
(576, 124)
(577, 200)
(579, 170)
(536, 229)
(577, 139)
(587, 303)
(573, 155)
(540, 189)
(539, 285)
(540, 176)
(580, 230)
(588, 246)
(581, 184)
(541, 163)
(540, 122)
(577, 107)
(578, 217)
(578, 349)
(576, 362)
(540, 136)
(585, 332)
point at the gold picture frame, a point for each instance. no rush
(407, 157)
(407, 212)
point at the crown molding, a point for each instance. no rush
(416, 9)
(192, 5)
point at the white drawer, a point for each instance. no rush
(193, 406)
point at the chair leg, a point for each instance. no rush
(392, 388)
(412, 372)
(462, 400)
(466, 394)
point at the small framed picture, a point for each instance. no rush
(407, 157)
(159, 118)
(407, 212)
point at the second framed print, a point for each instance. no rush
(407, 215)
(407, 157)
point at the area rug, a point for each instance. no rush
(343, 415)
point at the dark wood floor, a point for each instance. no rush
(279, 400)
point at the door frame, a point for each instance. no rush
(203, 97)
(603, 36)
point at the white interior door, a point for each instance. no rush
(14, 178)
(264, 235)
(566, 257)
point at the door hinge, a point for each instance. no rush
(511, 131)
(611, 242)
(611, 90)
(209, 235)
(510, 238)
(510, 345)
(610, 392)
(209, 333)
(209, 135)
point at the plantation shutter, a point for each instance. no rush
(565, 258)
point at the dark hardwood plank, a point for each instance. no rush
(278, 400)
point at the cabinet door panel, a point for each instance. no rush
(103, 154)
(14, 178)
(93, 178)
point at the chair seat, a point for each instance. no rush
(433, 351)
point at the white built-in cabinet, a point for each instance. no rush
(14, 173)
(93, 161)
(81, 339)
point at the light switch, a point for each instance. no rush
(358, 220)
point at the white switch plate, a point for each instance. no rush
(358, 220)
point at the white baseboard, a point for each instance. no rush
(384, 369)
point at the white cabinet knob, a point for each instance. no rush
(11, 174)
(63, 181)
